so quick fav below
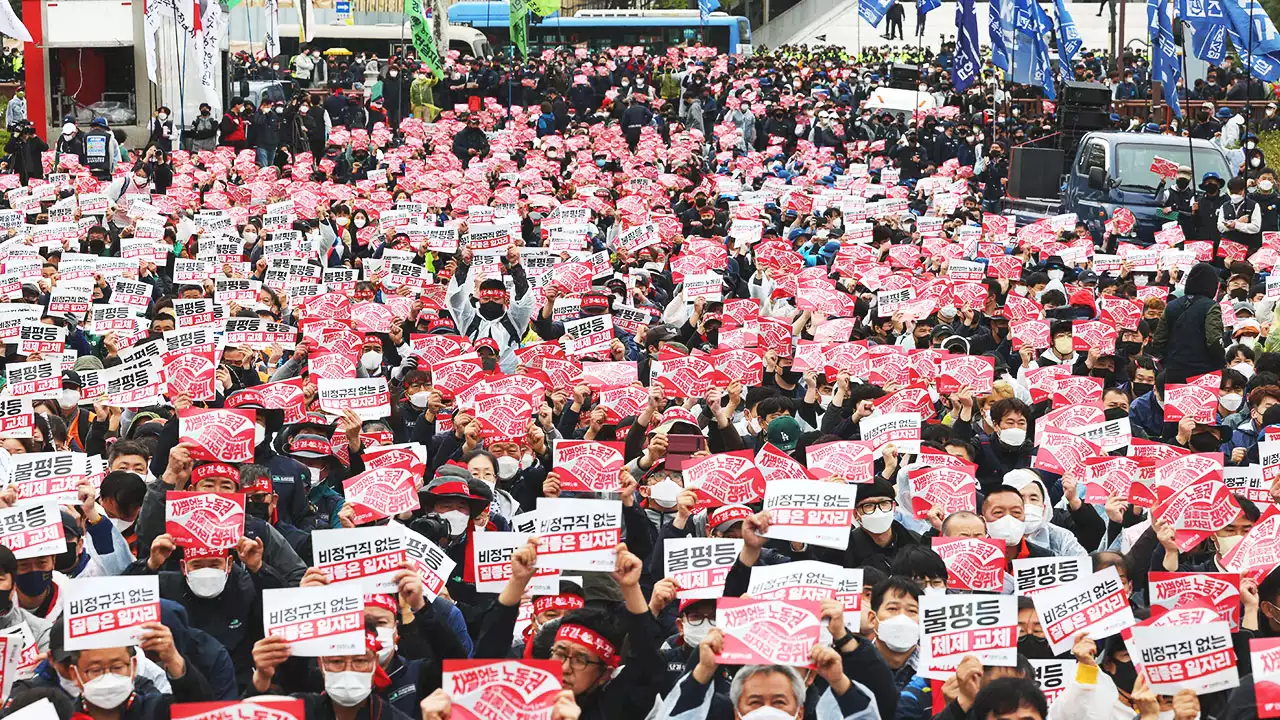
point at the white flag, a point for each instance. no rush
(10, 24)
(272, 40)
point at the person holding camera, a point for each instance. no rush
(24, 149)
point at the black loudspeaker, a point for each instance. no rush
(1086, 94)
(1034, 172)
(904, 76)
(1074, 118)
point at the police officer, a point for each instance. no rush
(100, 150)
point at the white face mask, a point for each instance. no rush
(1265, 185)
(665, 492)
(1055, 275)
(108, 691)
(1012, 437)
(207, 582)
(249, 236)
(259, 434)
(877, 522)
(70, 686)
(163, 116)
(695, 632)
(342, 221)
(386, 636)
(1226, 543)
(1244, 368)
(508, 467)
(1231, 401)
(899, 633)
(371, 361)
(1008, 528)
(348, 688)
(1033, 515)
(121, 525)
(69, 398)
(458, 522)
(361, 222)
(767, 713)
(419, 399)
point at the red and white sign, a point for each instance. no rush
(576, 534)
(699, 565)
(1220, 590)
(368, 398)
(972, 563)
(381, 493)
(32, 531)
(222, 435)
(901, 429)
(1096, 604)
(770, 632)
(810, 511)
(724, 479)
(108, 612)
(501, 689)
(945, 487)
(433, 564)
(491, 557)
(802, 580)
(1198, 657)
(1053, 676)
(852, 460)
(971, 371)
(1259, 552)
(366, 557)
(256, 709)
(1193, 401)
(316, 621)
(588, 465)
(204, 519)
(953, 626)
(1264, 654)
(1062, 452)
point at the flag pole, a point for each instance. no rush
(1248, 88)
(1191, 153)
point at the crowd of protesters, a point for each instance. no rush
(700, 205)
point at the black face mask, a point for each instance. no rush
(1124, 675)
(924, 342)
(1131, 348)
(1239, 294)
(1115, 413)
(489, 363)
(1108, 376)
(492, 310)
(1183, 183)
(1140, 389)
(1034, 648)
(791, 377)
(1204, 442)
(65, 562)
(258, 509)
(6, 602)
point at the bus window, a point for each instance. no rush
(717, 36)
(463, 47)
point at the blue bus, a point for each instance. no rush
(655, 30)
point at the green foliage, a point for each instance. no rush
(1269, 143)
(686, 5)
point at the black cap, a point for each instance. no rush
(874, 489)
(71, 377)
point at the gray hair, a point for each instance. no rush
(749, 671)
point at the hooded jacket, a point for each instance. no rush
(1190, 318)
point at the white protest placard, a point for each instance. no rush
(434, 565)
(1095, 603)
(318, 620)
(699, 565)
(953, 626)
(369, 399)
(107, 612)
(370, 556)
(810, 511)
(17, 418)
(32, 530)
(1200, 658)
(803, 580)
(1033, 575)
(491, 553)
(44, 477)
(902, 429)
(1053, 676)
(575, 534)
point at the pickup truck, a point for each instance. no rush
(1113, 170)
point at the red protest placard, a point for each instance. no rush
(285, 395)
(264, 708)
(1193, 401)
(852, 460)
(972, 563)
(1106, 476)
(1164, 168)
(222, 435)
(622, 402)
(1070, 389)
(684, 376)
(1259, 552)
(605, 375)
(745, 365)
(1197, 511)
(771, 632)
(1220, 590)
(203, 519)
(777, 465)
(588, 465)
(1029, 332)
(495, 689)
(972, 371)
(724, 479)
(381, 493)
(944, 487)
(454, 376)
(1094, 334)
(1042, 381)
(1062, 452)
(503, 418)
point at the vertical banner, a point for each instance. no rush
(272, 40)
(212, 25)
(423, 40)
(519, 32)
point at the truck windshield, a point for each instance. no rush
(1133, 164)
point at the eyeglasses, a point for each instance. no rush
(356, 663)
(577, 661)
(870, 507)
(97, 672)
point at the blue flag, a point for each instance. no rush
(1042, 74)
(1208, 23)
(999, 49)
(1265, 66)
(1030, 46)
(706, 7)
(925, 6)
(1165, 63)
(1069, 40)
(873, 10)
(1250, 22)
(964, 66)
